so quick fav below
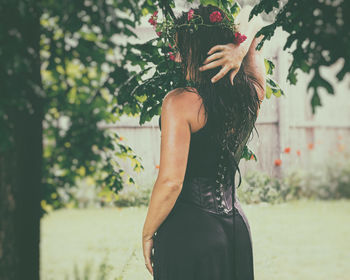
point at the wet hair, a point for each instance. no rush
(229, 110)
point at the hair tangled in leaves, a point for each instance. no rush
(229, 109)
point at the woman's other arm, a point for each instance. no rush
(175, 141)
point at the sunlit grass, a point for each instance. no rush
(298, 240)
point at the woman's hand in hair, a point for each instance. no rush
(229, 57)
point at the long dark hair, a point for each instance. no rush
(229, 110)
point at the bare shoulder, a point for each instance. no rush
(182, 103)
(181, 95)
(181, 98)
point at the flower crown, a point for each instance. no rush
(166, 30)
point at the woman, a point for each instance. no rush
(190, 222)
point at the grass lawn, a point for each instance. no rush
(301, 240)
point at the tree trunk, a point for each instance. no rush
(20, 195)
(21, 163)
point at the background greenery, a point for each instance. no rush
(294, 240)
(325, 181)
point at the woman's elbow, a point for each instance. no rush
(171, 185)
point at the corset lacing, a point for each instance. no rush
(224, 171)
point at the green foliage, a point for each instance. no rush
(134, 196)
(319, 35)
(329, 182)
(103, 271)
(68, 73)
(80, 76)
(231, 7)
(248, 153)
(271, 86)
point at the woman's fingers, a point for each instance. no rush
(213, 57)
(211, 65)
(147, 252)
(233, 75)
(225, 56)
(216, 48)
(149, 267)
(219, 75)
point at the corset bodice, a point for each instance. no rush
(199, 187)
(205, 184)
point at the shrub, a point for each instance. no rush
(331, 181)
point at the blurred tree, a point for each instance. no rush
(319, 36)
(58, 75)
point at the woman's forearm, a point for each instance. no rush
(248, 28)
(163, 198)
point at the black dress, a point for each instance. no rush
(196, 240)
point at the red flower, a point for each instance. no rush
(170, 46)
(287, 150)
(159, 33)
(252, 156)
(215, 17)
(190, 14)
(278, 162)
(239, 38)
(153, 19)
(171, 55)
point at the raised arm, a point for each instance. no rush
(230, 56)
(254, 67)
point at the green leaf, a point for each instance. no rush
(268, 91)
(210, 2)
(315, 101)
(269, 66)
(235, 9)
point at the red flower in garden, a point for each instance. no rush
(153, 19)
(278, 162)
(298, 152)
(159, 33)
(170, 46)
(215, 16)
(287, 150)
(171, 55)
(252, 156)
(190, 14)
(239, 38)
